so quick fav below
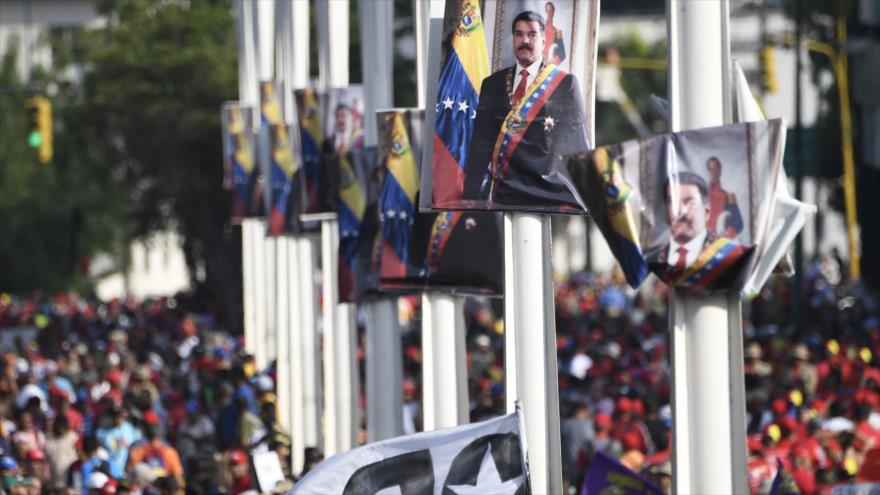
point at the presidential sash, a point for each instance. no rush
(518, 120)
(712, 262)
(440, 232)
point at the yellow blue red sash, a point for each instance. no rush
(712, 262)
(520, 118)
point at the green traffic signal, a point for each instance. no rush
(35, 139)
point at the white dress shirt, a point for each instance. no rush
(694, 247)
(533, 73)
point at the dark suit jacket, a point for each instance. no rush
(533, 178)
(470, 260)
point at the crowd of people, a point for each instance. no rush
(121, 397)
(153, 397)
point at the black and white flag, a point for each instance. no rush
(480, 458)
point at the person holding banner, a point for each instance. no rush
(529, 116)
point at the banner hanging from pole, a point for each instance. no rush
(241, 173)
(453, 252)
(693, 207)
(500, 138)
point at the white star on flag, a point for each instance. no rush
(447, 103)
(488, 480)
(390, 213)
(402, 214)
(463, 106)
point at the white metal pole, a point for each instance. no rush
(444, 371)
(258, 236)
(341, 383)
(384, 371)
(310, 355)
(708, 405)
(511, 389)
(377, 29)
(422, 15)
(384, 360)
(537, 390)
(265, 56)
(300, 51)
(282, 336)
(247, 95)
(332, 18)
(295, 382)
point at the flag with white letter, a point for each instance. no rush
(485, 458)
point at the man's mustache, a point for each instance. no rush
(524, 47)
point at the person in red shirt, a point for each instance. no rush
(761, 471)
(804, 471)
(240, 471)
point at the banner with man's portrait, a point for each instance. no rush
(318, 195)
(241, 175)
(454, 252)
(514, 96)
(692, 207)
(360, 236)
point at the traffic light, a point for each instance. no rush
(769, 82)
(40, 127)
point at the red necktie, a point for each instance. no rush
(682, 257)
(521, 87)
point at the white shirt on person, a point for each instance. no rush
(693, 246)
(532, 71)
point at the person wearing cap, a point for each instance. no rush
(239, 470)
(95, 483)
(602, 440)
(803, 370)
(754, 362)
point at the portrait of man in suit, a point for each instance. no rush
(530, 115)
(724, 215)
(347, 131)
(694, 256)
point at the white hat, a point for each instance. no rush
(97, 480)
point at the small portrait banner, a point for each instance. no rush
(241, 173)
(693, 207)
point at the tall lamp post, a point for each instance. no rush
(837, 55)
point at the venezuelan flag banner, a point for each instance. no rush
(240, 173)
(397, 201)
(282, 164)
(281, 178)
(359, 231)
(311, 138)
(458, 93)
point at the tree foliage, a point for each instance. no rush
(51, 216)
(156, 77)
(138, 148)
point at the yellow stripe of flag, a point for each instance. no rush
(469, 43)
(401, 163)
